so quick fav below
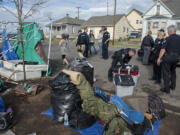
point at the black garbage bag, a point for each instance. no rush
(83, 66)
(81, 120)
(64, 97)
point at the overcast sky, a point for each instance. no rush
(59, 8)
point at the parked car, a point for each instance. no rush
(134, 35)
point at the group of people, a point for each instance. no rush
(86, 41)
(166, 54)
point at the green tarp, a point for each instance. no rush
(31, 36)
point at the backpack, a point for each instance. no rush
(156, 107)
(6, 120)
(82, 39)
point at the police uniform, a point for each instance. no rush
(156, 52)
(169, 61)
(147, 44)
(122, 57)
(105, 46)
(86, 42)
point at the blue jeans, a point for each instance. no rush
(100, 48)
(94, 47)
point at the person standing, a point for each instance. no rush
(80, 44)
(92, 42)
(100, 36)
(86, 41)
(65, 48)
(147, 45)
(169, 57)
(156, 51)
(123, 57)
(105, 43)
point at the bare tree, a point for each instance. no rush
(31, 6)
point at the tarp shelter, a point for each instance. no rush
(31, 37)
(7, 50)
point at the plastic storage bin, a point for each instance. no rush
(132, 70)
(124, 85)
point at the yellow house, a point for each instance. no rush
(135, 19)
(122, 26)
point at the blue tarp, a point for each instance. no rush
(156, 129)
(95, 129)
(2, 105)
(133, 115)
(9, 55)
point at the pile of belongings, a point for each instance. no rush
(24, 89)
(66, 103)
(84, 67)
(6, 116)
(117, 116)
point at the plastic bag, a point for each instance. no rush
(83, 66)
(81, 120)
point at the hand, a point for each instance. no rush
(152, 49)
(158, 61)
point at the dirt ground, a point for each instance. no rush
(28, 117)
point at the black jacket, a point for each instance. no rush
(122, 56)
(148, 41)
(158, 46)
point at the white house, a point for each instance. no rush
(161, 15)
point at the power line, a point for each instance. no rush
(114, 21)
(107, 7)
(78, 8)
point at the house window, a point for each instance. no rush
(58, 28)
(73, 30)
(63, 27)
(124, 29)
(178, 26)
(149, 26)
(158, 9)
(163, 25)
(140, 22)
(127, 30)
(137, 21)
(155, 27)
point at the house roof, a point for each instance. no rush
(102, 20)
(139, 12)
(157, 17)
(174, 6)
(67, 20)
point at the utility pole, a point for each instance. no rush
(78, 11)
(114, 21)
(107, 7)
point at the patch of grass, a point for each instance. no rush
(126, 45)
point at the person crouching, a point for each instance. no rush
(123, 57)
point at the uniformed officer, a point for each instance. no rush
(123, 57)
(169, 56)
(105, 41)
(147, 45)
(156, 52)
(86, 41)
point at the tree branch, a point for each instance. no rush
(8, 10)
(33, 7)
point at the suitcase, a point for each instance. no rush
(124, 85)
(83, 66)
(132, 70)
